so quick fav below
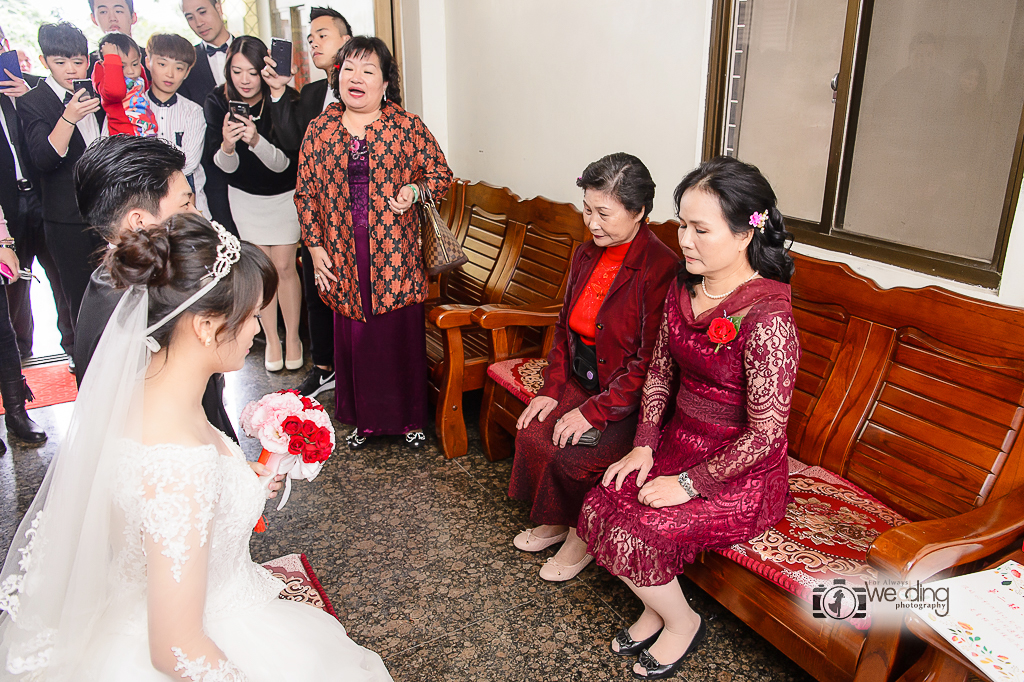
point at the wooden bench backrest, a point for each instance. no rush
(922, 404)
(450, 205)
(482, 227)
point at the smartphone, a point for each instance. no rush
(281, 53)
(9, 62)
(84, 84)
(239, 111)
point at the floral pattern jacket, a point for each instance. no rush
(402, 151)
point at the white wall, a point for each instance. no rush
(525, 93)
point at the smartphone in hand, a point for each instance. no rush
(9, 62)
(84, 84)
(239, 111)
(281, 53)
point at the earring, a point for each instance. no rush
(208, 341)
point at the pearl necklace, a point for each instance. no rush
(721, 296)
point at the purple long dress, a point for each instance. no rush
(380, 364)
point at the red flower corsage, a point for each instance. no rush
(722, 330)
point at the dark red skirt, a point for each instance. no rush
(381, 364)
(555, 480)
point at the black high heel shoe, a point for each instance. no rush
(355, 441)
(657, 671)
(629, 646)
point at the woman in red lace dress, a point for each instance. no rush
(714, 472)
(603, 341)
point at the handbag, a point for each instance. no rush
(441, 250)
(584, 365)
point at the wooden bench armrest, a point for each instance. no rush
(496, 316)
(917, 551)
(451, 315)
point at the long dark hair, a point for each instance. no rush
(174, 259)
(623, 176)
(741, 191)
(253, 49)
(361, 46)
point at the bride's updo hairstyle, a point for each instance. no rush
(741, 191)
(174, 260)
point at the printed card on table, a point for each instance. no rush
(984, 619)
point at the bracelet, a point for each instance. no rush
(67, 121)
(687, 485)
(415, 192)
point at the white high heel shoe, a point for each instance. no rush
(274, 366)
(295, 364)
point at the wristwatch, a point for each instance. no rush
(687, 485)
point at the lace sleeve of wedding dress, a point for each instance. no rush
(658, 385)
(180, 490)
(770, 360)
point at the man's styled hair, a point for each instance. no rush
(317, 12)
(130, 3)
(62, 39)
(122, 41)
(120, 173)
(172, 46)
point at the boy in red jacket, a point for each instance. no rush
(122, 85)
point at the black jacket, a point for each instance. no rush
(39, 110)
(293, 116)
(97, 306)
(8, 174)
(200, 81)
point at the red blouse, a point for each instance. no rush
(583, 319)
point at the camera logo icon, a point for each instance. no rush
(839, 601)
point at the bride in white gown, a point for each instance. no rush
(132, 562)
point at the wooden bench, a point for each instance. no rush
(529, 269)
(915, 397)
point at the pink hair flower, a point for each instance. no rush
(759, 220)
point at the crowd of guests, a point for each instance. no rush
(660, 429)
(243, 132)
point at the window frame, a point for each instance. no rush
(827, 233)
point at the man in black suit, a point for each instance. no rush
(129, 183)
(206, 19)
(22, 206)
(328, 33)
(59, 124)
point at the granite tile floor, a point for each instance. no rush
(415, 552)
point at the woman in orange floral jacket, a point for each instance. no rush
(359, 167)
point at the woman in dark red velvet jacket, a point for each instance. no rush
(603, 343)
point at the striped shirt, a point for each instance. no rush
(181, 122)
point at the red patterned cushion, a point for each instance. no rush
(825, 535)
(522, 376)
(300, 582)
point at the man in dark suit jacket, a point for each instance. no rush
(131, 183)
(206, 19)
(59, 124)
(328, 33)
(22, 206)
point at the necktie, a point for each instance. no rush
(210, 50)
(67, 98)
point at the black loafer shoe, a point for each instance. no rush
(657, 671)
(355, 441)
(629, 646)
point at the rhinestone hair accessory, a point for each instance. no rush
(759, 220)
(228, 252)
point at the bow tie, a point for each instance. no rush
(210, 50)
(67, 98)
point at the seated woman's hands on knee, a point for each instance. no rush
(569, 427)
(540, 407)
(663, 491)
(639, 459)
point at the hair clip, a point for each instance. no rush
(759, 220)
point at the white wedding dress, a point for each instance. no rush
(196, 508)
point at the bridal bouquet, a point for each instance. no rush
(296, 434)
